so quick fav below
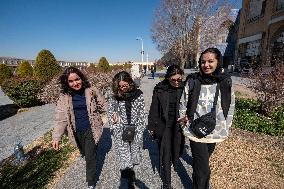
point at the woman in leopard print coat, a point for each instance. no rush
(126, 106)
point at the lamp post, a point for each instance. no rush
(142, 51)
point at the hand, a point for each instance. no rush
(55, 145)
(114, 118)
(153, 134)
(183, 120)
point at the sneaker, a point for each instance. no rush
(91, 187)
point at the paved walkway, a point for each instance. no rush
(4, 100)
(108, 175)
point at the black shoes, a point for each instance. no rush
(129, 174)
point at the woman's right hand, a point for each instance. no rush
(183, 121)
(55, 145)
(152, 134)
(114, 118)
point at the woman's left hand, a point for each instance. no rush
(115, 118)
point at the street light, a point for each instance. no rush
(142, 51)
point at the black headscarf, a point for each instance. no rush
(129, 97)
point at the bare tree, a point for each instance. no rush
(184, 27)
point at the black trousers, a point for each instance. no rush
(165, 148)
(87, 147)
(201, 153)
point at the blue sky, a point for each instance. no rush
(78, 30)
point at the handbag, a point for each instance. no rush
(128, 131)
(205, 124)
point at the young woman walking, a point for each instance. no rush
(78, 112)
(126, 109)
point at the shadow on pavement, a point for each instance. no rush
(152, 146)
(104, 147)
(8, 110)
(140, 184)
(181, 171)
(183, 175)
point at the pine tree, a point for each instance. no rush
(103, 64)
(25, 69)
(46, 66)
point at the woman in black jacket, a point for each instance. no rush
(162, 121)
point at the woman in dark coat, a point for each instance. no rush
(162, 121)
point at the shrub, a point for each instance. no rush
(127, 65)
(268, 84)
(25, 69)
(248, 104)
(248, 117)
(92, 68)
(5, 72)
(46, 66)
(23, 91)
(103, 64)
(278, 116)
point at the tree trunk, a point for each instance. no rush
(198, 39)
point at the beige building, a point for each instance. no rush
(261, 32)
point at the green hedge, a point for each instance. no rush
(23, 91)
(248, 117)
(5, 72)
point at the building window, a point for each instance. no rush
(280, 39)
(256, 9)
(253, 48)
(280, 5)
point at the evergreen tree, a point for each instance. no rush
(46, 66)
(103, 64)
(25, 69)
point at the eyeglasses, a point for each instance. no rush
(176, 80)
(123, 86)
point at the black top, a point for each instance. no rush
(172, 109)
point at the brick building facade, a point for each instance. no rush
(261, 32)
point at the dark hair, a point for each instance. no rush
(63, 79)
(122, 76)
(218, 56)
(173, 70)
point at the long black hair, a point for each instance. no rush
(218, 56)
(173, 70)
(63, 79)
(122, 76)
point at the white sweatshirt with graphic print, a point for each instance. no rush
(204, 106)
